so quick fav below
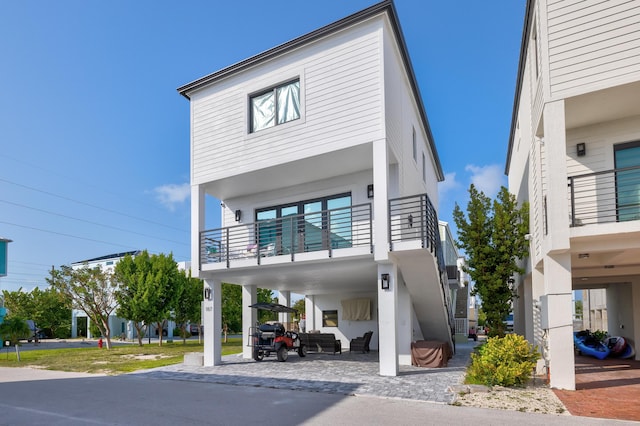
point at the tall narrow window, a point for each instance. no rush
(415, 145)
(534, 40)
(275, 106)
(424, 168)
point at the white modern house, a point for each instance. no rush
(574, 153)
(321, 155)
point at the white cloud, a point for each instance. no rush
(449, 184)
(487, 179)
(172, 194)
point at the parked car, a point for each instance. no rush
(193, 329)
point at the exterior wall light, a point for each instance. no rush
(238, 215)
(581, 149)
(370, 190)
(207, 293)
(384, 281)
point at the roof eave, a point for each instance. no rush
(521, 65)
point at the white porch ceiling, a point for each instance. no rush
(603, 105)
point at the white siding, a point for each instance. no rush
(592, 44)
(340, 107)
(401, 118)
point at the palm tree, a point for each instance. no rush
(15, 329)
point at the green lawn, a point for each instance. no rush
(120, 359)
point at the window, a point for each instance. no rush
(275, 106)
(306, 226)
(329, 318)
(534, 39)
(424, 168)
(415, 146)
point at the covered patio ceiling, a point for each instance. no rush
(322, 277)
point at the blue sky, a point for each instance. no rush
(94, 138)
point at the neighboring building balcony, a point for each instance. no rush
(335, 233)
(605, 197)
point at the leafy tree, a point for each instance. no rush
(187, 306)
(493, 238)
(579, 309)
(18, 303)
(14, 328)
(299, 306)
(146, 289)
(131, 276)
(266, 295)
(90, 290)
(50, 309)
(232, 307)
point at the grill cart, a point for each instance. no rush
(272, 337)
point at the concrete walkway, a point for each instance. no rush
(346, 374)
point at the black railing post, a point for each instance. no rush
(370, 228)
(573, 203)
(201, 250)
(227, 247)
(423, 220)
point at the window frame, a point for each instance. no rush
(326, 318)
(274, 91)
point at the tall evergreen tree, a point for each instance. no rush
(493, 237)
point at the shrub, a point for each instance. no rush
(503, 361)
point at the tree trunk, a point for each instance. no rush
(139, 334)
(105, 330)
(160, 328)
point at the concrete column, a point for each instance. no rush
(74, 323)
(197, 225)
(405, 320)
(387, 321)
(380, 200)
(284, 298)
(635, 289)
(310, 310)
(557, 285)
(555, 147)
(212, 322)
(249, 317)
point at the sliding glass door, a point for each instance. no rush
(627, 157)
(305, 226)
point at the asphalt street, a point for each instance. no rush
(37, 397)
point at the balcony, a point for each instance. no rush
(325, 233)
(341, 232)
(605, 197)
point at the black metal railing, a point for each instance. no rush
(414, 218)
(604, 197)
(333, 229)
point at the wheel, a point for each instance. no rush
(282, 354)
(258, 355)
(302, 350)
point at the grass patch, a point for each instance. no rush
(120, 359)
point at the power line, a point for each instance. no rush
(90, 205)
(92, 223)
(65, 235)
(72, 179)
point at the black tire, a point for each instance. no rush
(258, 355)
(282, 353)
(302, 351)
